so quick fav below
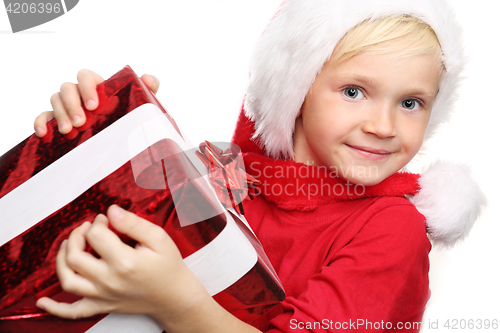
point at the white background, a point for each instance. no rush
(200, 51)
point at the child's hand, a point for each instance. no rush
(148, 279)
(67, 103)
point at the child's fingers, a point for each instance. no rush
(87, 82)
(70, 97)
(80, 309)
(70, 280)
(41, 123)
(106, 243)
(152, 82)
(63, 121)
(76, 258)
(137, 228)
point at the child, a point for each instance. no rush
(341, 97)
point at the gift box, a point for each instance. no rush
(130, 152)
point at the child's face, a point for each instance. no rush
(366, 118)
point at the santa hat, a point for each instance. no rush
(292, 51)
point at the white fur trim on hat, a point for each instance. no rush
(450, 200)
(301, 38)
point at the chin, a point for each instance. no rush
(366, 181)
(366, 176)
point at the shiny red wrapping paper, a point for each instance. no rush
(27, 262)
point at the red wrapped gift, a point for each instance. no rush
(130, 152)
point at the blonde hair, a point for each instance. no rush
(404, 34)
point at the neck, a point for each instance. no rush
(300, 146)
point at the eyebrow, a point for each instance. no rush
(360, 78)
(425, 93)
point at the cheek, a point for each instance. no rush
(317, 122)
(414, 135)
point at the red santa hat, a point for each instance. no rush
(292, 51)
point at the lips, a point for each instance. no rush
(370, 152)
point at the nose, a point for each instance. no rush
(381, 122)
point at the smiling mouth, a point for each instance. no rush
(370, 153)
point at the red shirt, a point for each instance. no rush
(347, 262)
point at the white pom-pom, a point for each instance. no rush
(450, 200)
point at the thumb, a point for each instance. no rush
(139, 229)
(151, 81)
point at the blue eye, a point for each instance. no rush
(411, 104)
(353, 93)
